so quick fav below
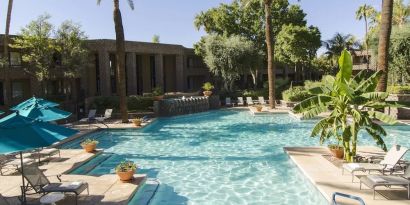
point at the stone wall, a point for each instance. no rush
(399, 113)
(180, 106)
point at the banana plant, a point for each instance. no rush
(353, 104)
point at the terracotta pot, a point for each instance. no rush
(89, 147)
(158, 98)
(259, 109)
(137, 123)
(337, 152)
(207, 93)
(126, 176)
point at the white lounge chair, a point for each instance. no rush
(388, 164)
(107, 115)
(240, 101)
(261, 100)
(228, 101)
(373, 181)
(249, 101)
(91, 116)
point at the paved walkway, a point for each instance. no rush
(329, 179)
(105, 189)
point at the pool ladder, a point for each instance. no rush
(360, 200)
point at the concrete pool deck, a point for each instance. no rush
(328, 178)
(104, 189)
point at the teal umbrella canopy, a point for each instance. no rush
(1, 112)
(32, 101)
(43, 113)
(19, 133)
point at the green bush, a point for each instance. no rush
(295, 94)
(255, 93)
(399, 89)
(134, 103)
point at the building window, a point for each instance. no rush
(17, 90)
(153, 73)
(113, 74)
(190, 62)
(97, 75)
(15, 59)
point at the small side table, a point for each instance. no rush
(52, 198)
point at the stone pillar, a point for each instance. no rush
(105, 79)
(179, 73)
(131, 65)
(159, 70)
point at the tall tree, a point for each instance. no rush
(270, 52)
(384, 40)
(7, 86)
(401, 13)
(120, 56)
(364, 12)
(337, 44)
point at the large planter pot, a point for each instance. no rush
(207, 93)
(89, 147)
(137, 123)
(158, 98)
(337, 152)
(126, 176)
(259, 109)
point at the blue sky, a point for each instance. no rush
(171, 19)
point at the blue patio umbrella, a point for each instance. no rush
(32, 101)
(19, 133)
(43, 113)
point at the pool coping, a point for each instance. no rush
(327, 178)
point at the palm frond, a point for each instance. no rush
(131, 4)
(382, 117)
(375, 96)
(369, 85)
(315, 111)
(318, 100)
(98, 2)
(378, 138)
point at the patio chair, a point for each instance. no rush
(39, 183)
(107, 115)
(373, 181)
(228, 101)
(346, 196)
(240, 101)
(388, 164)
(249, 101)
(261, 100)
(91, 116)
(48, 152)
(12, 164)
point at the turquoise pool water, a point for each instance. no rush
(219, 157)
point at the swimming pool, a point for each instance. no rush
(218, 157)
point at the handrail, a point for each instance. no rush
(346, 196)
(155, 191)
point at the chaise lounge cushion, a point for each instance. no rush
(373, 181)
(76, 187)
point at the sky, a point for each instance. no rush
(172, 20)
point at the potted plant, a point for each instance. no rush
(89, 145)
(336, 150)
(137, 122)
(259, 108)
(126, 170)
(158, 93)
(207, 89)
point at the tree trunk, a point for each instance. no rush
(384, 39)
(120, 56)
(254, 74)
(366, 42)
(270, 52)
(7, 84)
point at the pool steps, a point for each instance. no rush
(147, 192)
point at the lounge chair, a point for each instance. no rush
(240, 101)
(14, 164)
(388, 164)
(373, 181)
(261, 100)
(39, 183)
(347, 196)
(48, 152)
(228, 101)
(249, 101)
(3, 200)
(107, 115)
(91, 116)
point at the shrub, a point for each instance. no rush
(207, 86)
(255, 93)
(126, 166)
(157, 91)
(133, 103)
(295, 94)
(89, 142)
(399, 89)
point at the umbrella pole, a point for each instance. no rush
(23, 188)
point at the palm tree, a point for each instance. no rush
(353, 104)
(337, 44)
(120, 56)
(267, 4)
(384, 39)
(7, 86)
(364, 12)
(401, 13)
